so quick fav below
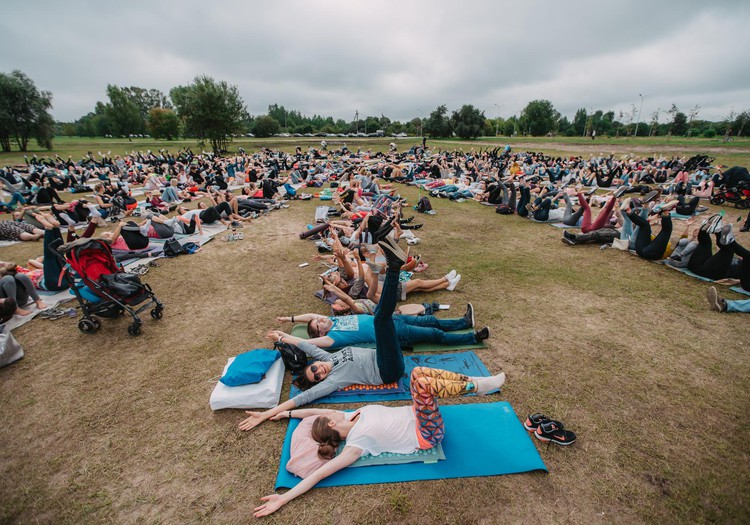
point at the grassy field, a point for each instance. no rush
(732, 153)
(113, 429)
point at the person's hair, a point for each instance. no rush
(8, 268)
(328, 439)
(311, 331)
(7, 308)
(98, 186)
(303, 382)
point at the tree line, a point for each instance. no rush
(213, 111)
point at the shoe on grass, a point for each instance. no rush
(451, 275)
(533, 421)
(482, 334)
(469, 315)
(454, 282)
(554, 432)
(716, 303)
(568, 241)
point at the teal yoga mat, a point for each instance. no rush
(467, 363)
(481, 439)
(739, 289)
(300, 330)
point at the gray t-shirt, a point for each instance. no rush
(351, 366)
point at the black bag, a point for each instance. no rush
(503, 209)
(295, 360)
(424, 205)
(173, 248)
(122, 284)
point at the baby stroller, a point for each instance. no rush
(739, 195)
(102, 288)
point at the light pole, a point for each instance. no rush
(421, 125)
(639, 115)
(497, 122)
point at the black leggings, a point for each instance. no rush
(717, 265)
(388, 350)
(52, 265)
(213, 213)
(644, 246)
(686, 208)
(523, 201)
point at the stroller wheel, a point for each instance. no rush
(134, 329)
(742, 204)
(89, 326)
(157, 313)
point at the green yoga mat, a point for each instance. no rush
(300, 330)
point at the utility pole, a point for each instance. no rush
(497, 122)
(639, 115)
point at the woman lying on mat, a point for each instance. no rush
(722, 264)
(352, 365)
(376, 429)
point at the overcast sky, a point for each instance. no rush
(399, 58)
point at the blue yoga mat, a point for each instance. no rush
(481, 439)
(562, 225)
(739, 289)
(467, 363)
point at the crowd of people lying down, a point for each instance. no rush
(360, 238)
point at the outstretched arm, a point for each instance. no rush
(302, 318)
(275, 501)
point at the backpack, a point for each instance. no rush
(503, 209)
(173, 248)
(295, 360)
(424, 205)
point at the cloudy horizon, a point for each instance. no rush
(400, 59)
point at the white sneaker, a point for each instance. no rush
(451, 275)
(413, 241)
(454, 282)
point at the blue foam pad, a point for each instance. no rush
(739, 289)
(562, 225)
(481, 439)
(466, 363)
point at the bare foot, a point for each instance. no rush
(21, 311)
(40, 304)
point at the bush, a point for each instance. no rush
(709, 133)
(570, 132)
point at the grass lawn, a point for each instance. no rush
(107, 428)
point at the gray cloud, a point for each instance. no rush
(397, 58)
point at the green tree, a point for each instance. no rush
(24, 112)
(539, 117)
(679, 123)
(438, 124)
(267, 126)
(210, 110)
(163, 123)
(468, 122)
(579, 122)
(123, 113)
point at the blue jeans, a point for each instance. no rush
(742, 306)
(429, 329)
(16, 197)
